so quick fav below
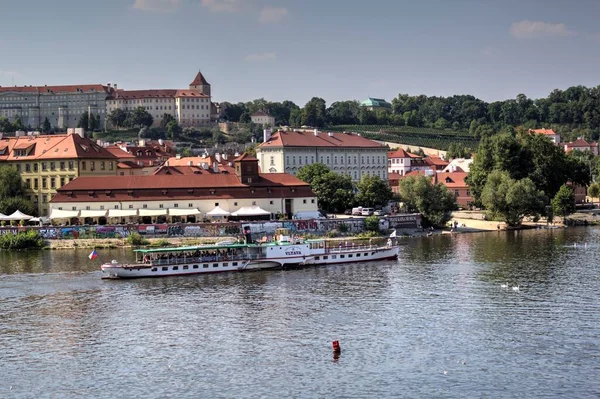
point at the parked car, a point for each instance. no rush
(367, 211)
(348, 212)
(357, 211)
(378, 213)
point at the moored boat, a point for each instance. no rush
(284, 252)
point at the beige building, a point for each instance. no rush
(189, 107)
(190, 196)
(263, 118)
(345, 153)
(62, 105)
(47, 163)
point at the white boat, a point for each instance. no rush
(283, 253)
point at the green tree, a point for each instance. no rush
(372, 223)
(173, 129)
(11, 184)
(309, 173)
(251, 150)
(93, 122)
(118, 117)
(5, 125)
(563, 203)
(166, 118)
(11, 204)
(373, 191)
(84, 120)
(593, 191)
(433, 201)
(245, 118)
(46, 127)
(343, 113)
(18, 124)
(335, 192)
(366, 116)
(139, 117)
(314, 113)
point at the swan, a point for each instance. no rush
(515, 288)
(505, 285)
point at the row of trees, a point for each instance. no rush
(12, 193)
(514, 176)
(136, 118)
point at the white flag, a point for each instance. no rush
(393, 234)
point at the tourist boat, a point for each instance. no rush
(284, 252)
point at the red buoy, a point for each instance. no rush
(336, 346)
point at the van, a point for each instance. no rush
(357, 211)
(366, 211)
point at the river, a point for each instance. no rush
(435, 324)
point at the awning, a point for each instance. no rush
(60, 214)
(3, 216)
(121, 213)
(18, 215)
(92, 214)
(218, 211)
(250, 211)
(152, 212)
(184, 212)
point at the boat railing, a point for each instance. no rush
(354, 248)
(191, 259)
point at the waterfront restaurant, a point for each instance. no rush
(245, 194)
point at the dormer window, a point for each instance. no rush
(91, 193)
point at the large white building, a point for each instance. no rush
(64, 105)
(344, 153)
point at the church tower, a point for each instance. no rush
(199, 83)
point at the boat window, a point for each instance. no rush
(350, 255)
(225, 264)
(175, 267)
(185, 267)
(325, 257)
(205, 266)
(335, 256)
(154, 269)
(342, 256)
(366, 254)
(165, 268)
(372, 253)
(234, 264)
(195, 266)
(357, 255)
(215, 265)
(318, 257)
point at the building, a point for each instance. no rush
(402, 162)
(62, 105)
(263, 118)
(554, 137)
(192, 196)
(582, 145)
(373, 104)
(345, 153)
(47, 163)
(193, 165)
(189, 107)
(141, 158)
(454, 181)
(459, 165)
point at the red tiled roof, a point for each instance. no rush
(57, 89)
(191, 170)
(60, 146)
(323, 139)
(118, 152)
(260, 113)
(399, 153)
(245, 157)
(160, 93)
(128, 165)
(436, 161)
(199, 80)
(542, 131)
(580, 143)
(452, 179)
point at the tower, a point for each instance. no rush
(199, 83)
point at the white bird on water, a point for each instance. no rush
(505, 285)
(515, 288)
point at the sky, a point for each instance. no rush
(298, 49)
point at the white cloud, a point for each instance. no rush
(272, 14)
(222, 5)
(535, 29)
(258, 57)
(156, 5)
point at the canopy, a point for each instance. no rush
(3, 216)
(119, 213)
(184, 212)
(60, 214)
(218, 211)
(17, 215)
(250, 211)
(92, 214)
(152, 212)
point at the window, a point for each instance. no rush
(27, 167)
(357, 255)
(195, 266)
(235, 204)
(253, 202)
(102, 165)
(70, 165)
(87, 208)
(215, 265)
(342, 256)
(175, 205)
(92, 165)
(161, 206)
(190, 205)
(101, 207)
(205, 266)
(35, 184)
(185, 267)
(270, 202)
(44, 167)
(52, 165)
(35, 167)
(145, 206)
(83, 165)
(165, 268)
(175, 267)
(272, 160)
(62, 181)
(312, 201)
(74, 208)
(52, 182)
(28, 183)
(62, 165)
(110, 166)
(456, 192)
(216, 204)
(130, 206)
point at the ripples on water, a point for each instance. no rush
(434, 324)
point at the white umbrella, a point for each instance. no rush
(251, 211)
(218, 211)
(18, 215)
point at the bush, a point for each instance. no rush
(343, 228)
(332, 233)
(368, 234)
(372, 223)
(28, 240)
(136, 240)
(163, 242)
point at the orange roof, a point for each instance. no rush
(399, 153)
(322, 139)
(160, 93)
(199, 80)
(580, 143)
(191, 170)
(245, 157)
(118, 152)
(60, 146)
(452, 179)
(437, 161)
(58, 89)
(542, 131)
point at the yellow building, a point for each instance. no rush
(47, 163)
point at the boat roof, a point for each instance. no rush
(190, 248)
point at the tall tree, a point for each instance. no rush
(84, 120)
(139, 118)
(118, 117)
(433, 201)
(11, 184)
(166, 118)
(334, 192)
(563, 203)
(373, 191)
(593, 191)
(46, 127)
(314, 113)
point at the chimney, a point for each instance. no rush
(178, 156)
(217, 157)
(225, 157)
(266, 135)
(108, 84)
(330, 134)
(190, 163)
(316, 132)
(142, 143)
(161, 142)
(215, 167)
(115, 86)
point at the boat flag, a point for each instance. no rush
(93, 255)
(393, 234)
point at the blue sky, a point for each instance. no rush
(297, 49)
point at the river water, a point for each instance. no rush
(435, 324)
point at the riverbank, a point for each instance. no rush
(100, 243)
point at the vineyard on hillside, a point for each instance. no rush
(414, 136)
